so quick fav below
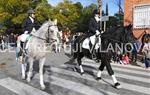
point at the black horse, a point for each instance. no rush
(119, 35)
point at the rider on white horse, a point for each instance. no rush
(29, 25)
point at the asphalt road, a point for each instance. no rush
(61, 79)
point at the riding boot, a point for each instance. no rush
(25, 47)
(94, 55)
(94, 51)
(91, 49)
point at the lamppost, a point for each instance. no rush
(100, 3)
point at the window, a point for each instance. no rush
(141, 16)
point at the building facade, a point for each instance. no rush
(137, 12)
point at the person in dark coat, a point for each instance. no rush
(94, 24)
(94, 29)
(30, 23)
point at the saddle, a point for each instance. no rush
(91, 41)
(23, 43)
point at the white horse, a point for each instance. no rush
(37, 50)
(55, 39)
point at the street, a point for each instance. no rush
(61, 79)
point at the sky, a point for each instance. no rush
(112, 5)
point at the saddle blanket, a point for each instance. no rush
(24, 37)
(92, 39)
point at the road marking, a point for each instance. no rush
(119, 65)
(74, 86)
(127, 86)
(20, 88)
(146, 72)
(131, 77)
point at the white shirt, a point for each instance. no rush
(97, 18)
(32, 20)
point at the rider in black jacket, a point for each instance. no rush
(94, 29)
(30, 23)
(94, 24)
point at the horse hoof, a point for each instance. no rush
(97, 61)
(43, 87)
(117, 85)
(98, 78)
(74, 69)
(23, 77)
(28, 80)
(82, 73)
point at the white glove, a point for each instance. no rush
(97, 32)
(26, 32)
(102, 32)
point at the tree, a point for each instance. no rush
(119, 16)
(79, 7)
(83, 21)
(67, 14)
(43, 11)
(13, 12)
(112, 22)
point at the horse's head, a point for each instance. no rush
(51, 29)
(128, 34)
(53, 26)
(47, 27)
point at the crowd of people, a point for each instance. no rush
(8, 40)
(139, 48)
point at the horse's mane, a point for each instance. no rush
(43, 25)
(42, 28)
(113, 31)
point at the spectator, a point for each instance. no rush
(118, 57)
(146, 51)
(11, 39)
(15, 39)
(2, 42)
(125, 59)
(5, 41)
(135, 51)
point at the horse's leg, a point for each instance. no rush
(56, 47)
(21, 60)
(111, 73)
(64, 45)
(101, 68)
(80, 56)
(59, 47)
(41, 64)
(23, 66)
(30, 69)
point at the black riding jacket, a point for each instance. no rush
(28, 25)
(93, 26)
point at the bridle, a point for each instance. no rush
(123, 40)
(47, 31)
